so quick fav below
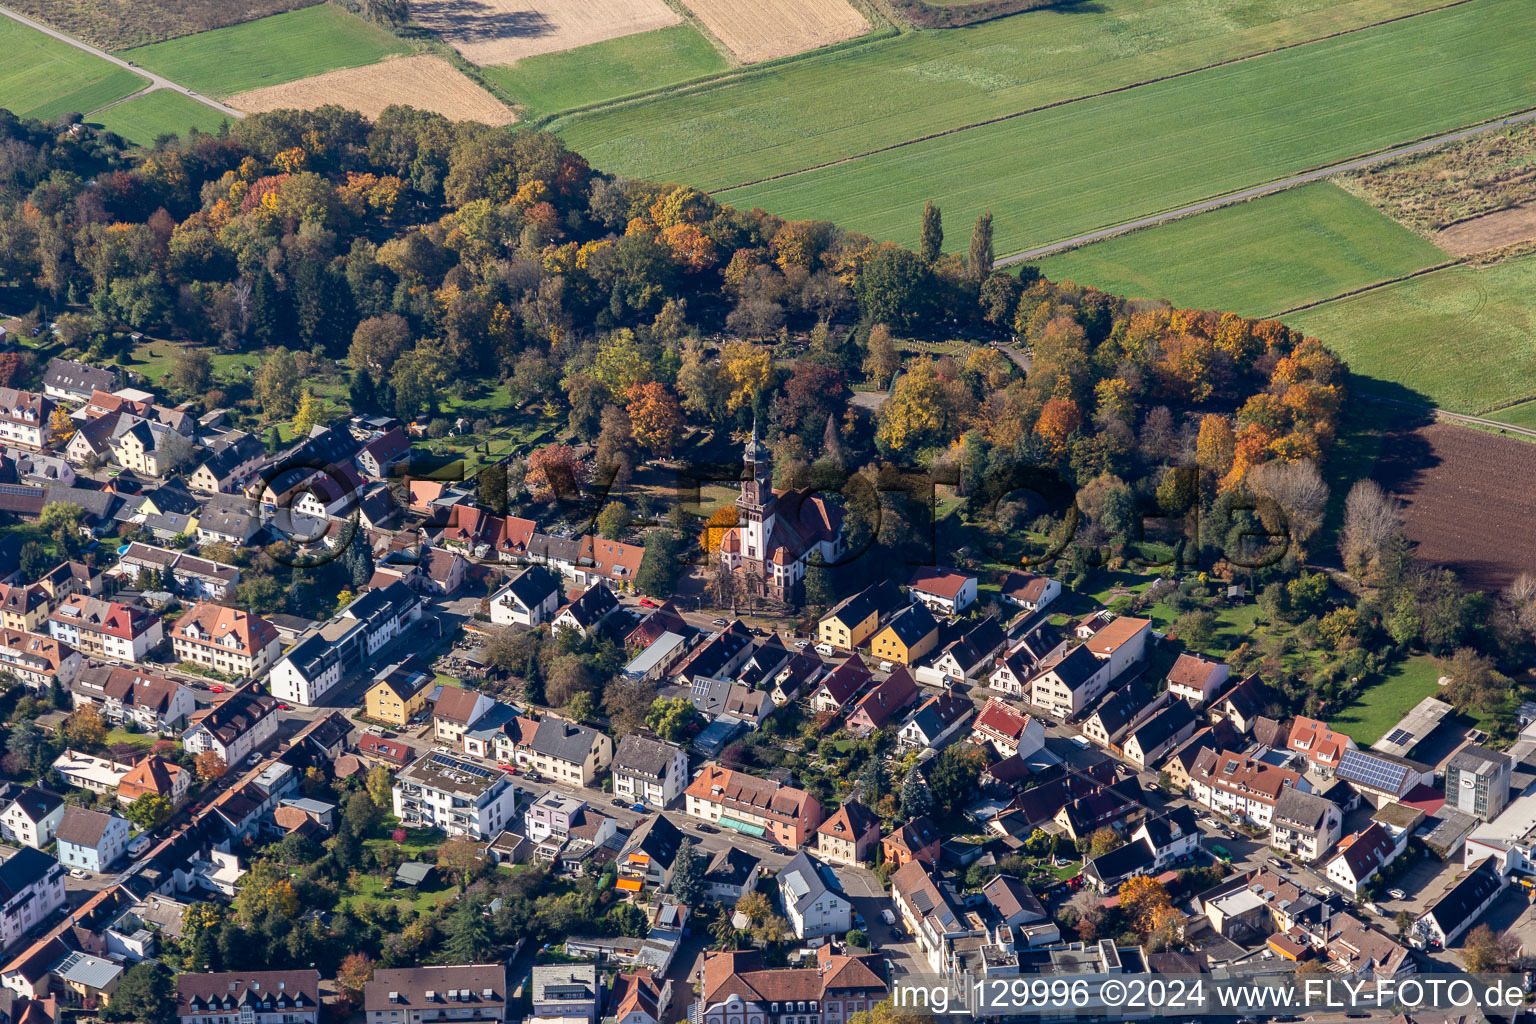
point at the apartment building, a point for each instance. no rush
(228, 640)
(461, 797)
(106, 629)
(753, 806)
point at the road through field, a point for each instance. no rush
(1267, 189)
(155, 81)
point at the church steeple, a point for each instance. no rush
(756, 452)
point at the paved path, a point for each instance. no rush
(1355, 164)
(156, 82)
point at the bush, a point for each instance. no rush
(857, 938)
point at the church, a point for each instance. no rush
(777, 531)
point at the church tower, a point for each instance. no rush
(755, 510)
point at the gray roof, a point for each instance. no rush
(564, 741)
(1303, 812)
(86, 970)
(803, 881)
(533, 585)
(82, 827)
(643, 756)
(77, 377)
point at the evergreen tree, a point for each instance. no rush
(932, 243)
(819, 592)
(979, 262)
(56, 695)
(688, 875)
(361, 394)
(659, 566)
(492, 484)
(274, 441)
(468, 935)
(146, 994)
(832, 440)
(359, 559)
(266, 311)
(916, 800)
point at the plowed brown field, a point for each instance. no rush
(1470, 504)
(492, 32)
(422, 81)
(764, 29)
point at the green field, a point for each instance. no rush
(609, 70)
(1070, 169)
(1464, 337)
(1385, 703)
(144, 119)
(860, 98)
(43, 77)
(282, 48)
(1254, 258)
(1522, 415)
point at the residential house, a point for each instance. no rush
(38, 661)
(90, 980)
(234, 642)
(551, 816)
(427, 995)
(1008, 730)
(1069, 682)
(1147, 742)
(1120, 644)
(840, 686)
(1243, 704)
(1029, 591)
(849, 835)
(382, 454)
(1305, 825)
(719, 656)
(854, 619)
(89, 772)
(1360, 857)
(812, 898)
(165, 569)
(565, 751)
(31, 889)
(731, 874)
(649, 771)
(917, 840)
(753, 806)
(586, 613)
(332, 652)
(69, 380)
(146, 447)
(907, 637)
(90, 840)
(399, 692)
(739, 989)
(935, 721)
(639, 998)
(454, 710)
(441, 572)
(966, 659)
(930, 912)
(889, 698)
(1181, 760)
(1110, 721)
(235, 459)
(227, 519)
(461, 797)
(1241, 787)
(1196, 679)
(608, 562)
(151, 701)
(1322, 746)
(24, 607)
(249, 997)
(155, 776)
(24, 418)
(942, 591)
(244, 722)
(567, 992)
(1461, 906)
(31, 817)
(531, 598)
(1363, 952)
(649, 856)
(378, 750)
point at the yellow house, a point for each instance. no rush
(399, 693)
(854, 619)
(911, 633)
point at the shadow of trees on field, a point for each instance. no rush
(476, 20)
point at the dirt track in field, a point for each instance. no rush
(1469, 502)
(1490, 231)
(422, 81)
(757, 30)
(491, 32)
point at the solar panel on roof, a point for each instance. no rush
(1359, 766)
(1399, 736)
(454, 764)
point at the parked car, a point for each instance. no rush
(617, 802)
(888, 916)
(1082, 742)
(1324, 890)
(137, 845)
(719, 622)
(1398, 894)
(647, 602)
(707, 828)
(215, 689)
(802, 644)
(826, 649)
(78, 873)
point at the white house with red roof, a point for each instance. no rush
(943, 591)
(1008, 729)
(1197, 679)
(840, 686)
(1322, 746)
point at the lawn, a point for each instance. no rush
(1464, 337)
(282, 48)
(371, 888)
(141, 740)
(1058, 172)
(43, 77)
(1386, 702)
(162, 112)
(860, 98)
(1255, 258)
(609, 70)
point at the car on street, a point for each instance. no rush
(1324, 890)
(710, 829)
(826, 649)
(285, 707)
(1397, 894)
(1082, 742)
(510, 769)
(215, 689)
(888, 916)
(647, 602)
(718, 622)
(802, 644)
(78, 873)
(617, 802)
(137, 845)
(778, 849)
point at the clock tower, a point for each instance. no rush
(755, 509)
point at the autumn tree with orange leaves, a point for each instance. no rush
(655, 417)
